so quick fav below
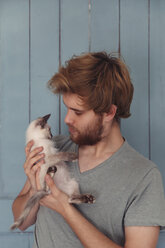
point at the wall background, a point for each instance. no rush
(35, 37)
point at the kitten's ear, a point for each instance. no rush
(43, 120)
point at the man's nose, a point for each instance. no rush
(69, 117)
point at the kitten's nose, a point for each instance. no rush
(46, 117)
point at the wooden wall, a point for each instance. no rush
(35, 37)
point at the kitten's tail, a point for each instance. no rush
(31, 202)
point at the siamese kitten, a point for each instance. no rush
(39, 131)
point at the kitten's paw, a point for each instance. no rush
(72, 156)
(52, 170)
(85, 198)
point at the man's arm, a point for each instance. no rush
(19, 205)
(34, 160)
(136, 237)
(141, 236)
(87, 233)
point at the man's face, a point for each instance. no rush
(85, 127)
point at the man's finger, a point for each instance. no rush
(28, 147)
(36, 151)
(38, 179)
(51, 184)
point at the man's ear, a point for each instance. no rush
(111, 114)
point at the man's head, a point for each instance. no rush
(85, 126)
(100, 80)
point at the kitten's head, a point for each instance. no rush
(39, 129)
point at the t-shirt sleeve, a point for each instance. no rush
(146, 206)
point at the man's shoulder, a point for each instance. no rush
(136, 160)
(64, 143)
(137, 171)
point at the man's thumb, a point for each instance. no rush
(49, 180)
(51, 184)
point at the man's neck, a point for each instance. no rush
(112, 140)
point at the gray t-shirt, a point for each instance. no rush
(128, 190)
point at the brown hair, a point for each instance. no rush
(99, 79)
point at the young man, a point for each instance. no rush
(130, 208)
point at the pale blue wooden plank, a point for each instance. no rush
(6, 216)
(134, 49)
(44, 59)
(14, 87)
(74, 28)
(31, 240)
(18, 240)
(105, 25)
(161, 241)
(74, 35)
(157, 78)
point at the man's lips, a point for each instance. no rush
(72, 129)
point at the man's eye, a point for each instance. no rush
(78, 113)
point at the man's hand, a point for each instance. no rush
(56, 200)
(34, 160)
(85, 231)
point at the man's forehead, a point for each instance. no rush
(73, 101)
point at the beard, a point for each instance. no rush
(91, 134)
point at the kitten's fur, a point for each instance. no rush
(39, 132)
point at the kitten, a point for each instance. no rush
(39, 131)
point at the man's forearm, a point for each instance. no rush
(21, 200)
(87, 233)
(19, 205)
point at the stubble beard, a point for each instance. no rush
(91, 135)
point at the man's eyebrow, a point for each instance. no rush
(77, 110)
(74, 109)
